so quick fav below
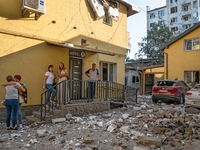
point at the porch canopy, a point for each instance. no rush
(72, 47)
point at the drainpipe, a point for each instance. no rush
(166, 63)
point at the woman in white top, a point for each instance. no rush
(48, 83)
(63, 93)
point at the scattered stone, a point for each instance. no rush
(117, 148)
(88, 140)
(41, 132)
(112, 127)
(139, 148)
(57, 120)
(28, 145)
(62, 141)
(150, 141)
(33, 141)
(68, 116)
(113, 143)
(125, 116)
(192, 110)
(125, 129)
(52, 137)
(124, 146)
(2, 141)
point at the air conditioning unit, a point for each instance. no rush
(35, 6)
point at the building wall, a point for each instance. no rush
(30, 58)
(180, 60)
(130, 74)
(180, 13)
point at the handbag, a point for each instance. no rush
(21, 99)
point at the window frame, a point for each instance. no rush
(161, 13)
(192, 44)
(176, 8)
(174, 19)
(108, 74)
(154, 16)
(107, 19)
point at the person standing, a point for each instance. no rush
(93, 74)
(17, 79)
(48, 83)
(63, 93)
(11, 101)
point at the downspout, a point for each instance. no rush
(166, 63)
(141, 82)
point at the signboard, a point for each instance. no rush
(77, 53)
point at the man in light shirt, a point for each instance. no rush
(93, 75)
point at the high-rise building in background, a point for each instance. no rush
(178, 15)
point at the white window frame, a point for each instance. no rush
(161, 13)
(114, 70)
(175, 29)
(192, 44)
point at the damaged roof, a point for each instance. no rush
(180, 36)
(131, 9)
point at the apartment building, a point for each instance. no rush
(178, 15)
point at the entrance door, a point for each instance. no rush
(75, 72)
(149, 83)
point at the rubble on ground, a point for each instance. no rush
(142, 126)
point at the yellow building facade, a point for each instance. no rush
(29, 46)
(183, 56)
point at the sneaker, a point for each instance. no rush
(20, 126)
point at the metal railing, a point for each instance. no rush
(80, 90)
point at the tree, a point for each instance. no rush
(127, 58)
(157, 36)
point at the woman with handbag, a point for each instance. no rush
(63, 92)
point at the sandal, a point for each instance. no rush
(8, 128)
(14, 128)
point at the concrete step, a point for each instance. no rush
(32, 119)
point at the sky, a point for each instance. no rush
(137, 24)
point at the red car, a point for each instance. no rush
(170, 91)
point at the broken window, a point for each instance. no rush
(108, 71)
(174, 29)
(135, 79)
(191, 77)
(191, 44)
(173, 10)
(175, 19)
(107, 19)
(187, 26)
(152, 16)
(97, 8)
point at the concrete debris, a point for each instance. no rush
(68, 116)
(41, 132)
(141, 126)
(57, 120)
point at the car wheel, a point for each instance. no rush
(181, 99)
(155, 101)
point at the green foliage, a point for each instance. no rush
(157, 36)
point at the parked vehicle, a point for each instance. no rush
(192, 97)
(170, 91)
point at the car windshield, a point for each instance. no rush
(165, 83)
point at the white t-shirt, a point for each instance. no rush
(12, 92)
(50, 77)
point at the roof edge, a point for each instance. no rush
(157, 66)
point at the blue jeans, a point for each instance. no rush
(20, 113)
(11, 105)
(92, 86)
(48, 86)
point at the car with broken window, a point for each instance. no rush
(169, 91)
(192, 97)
